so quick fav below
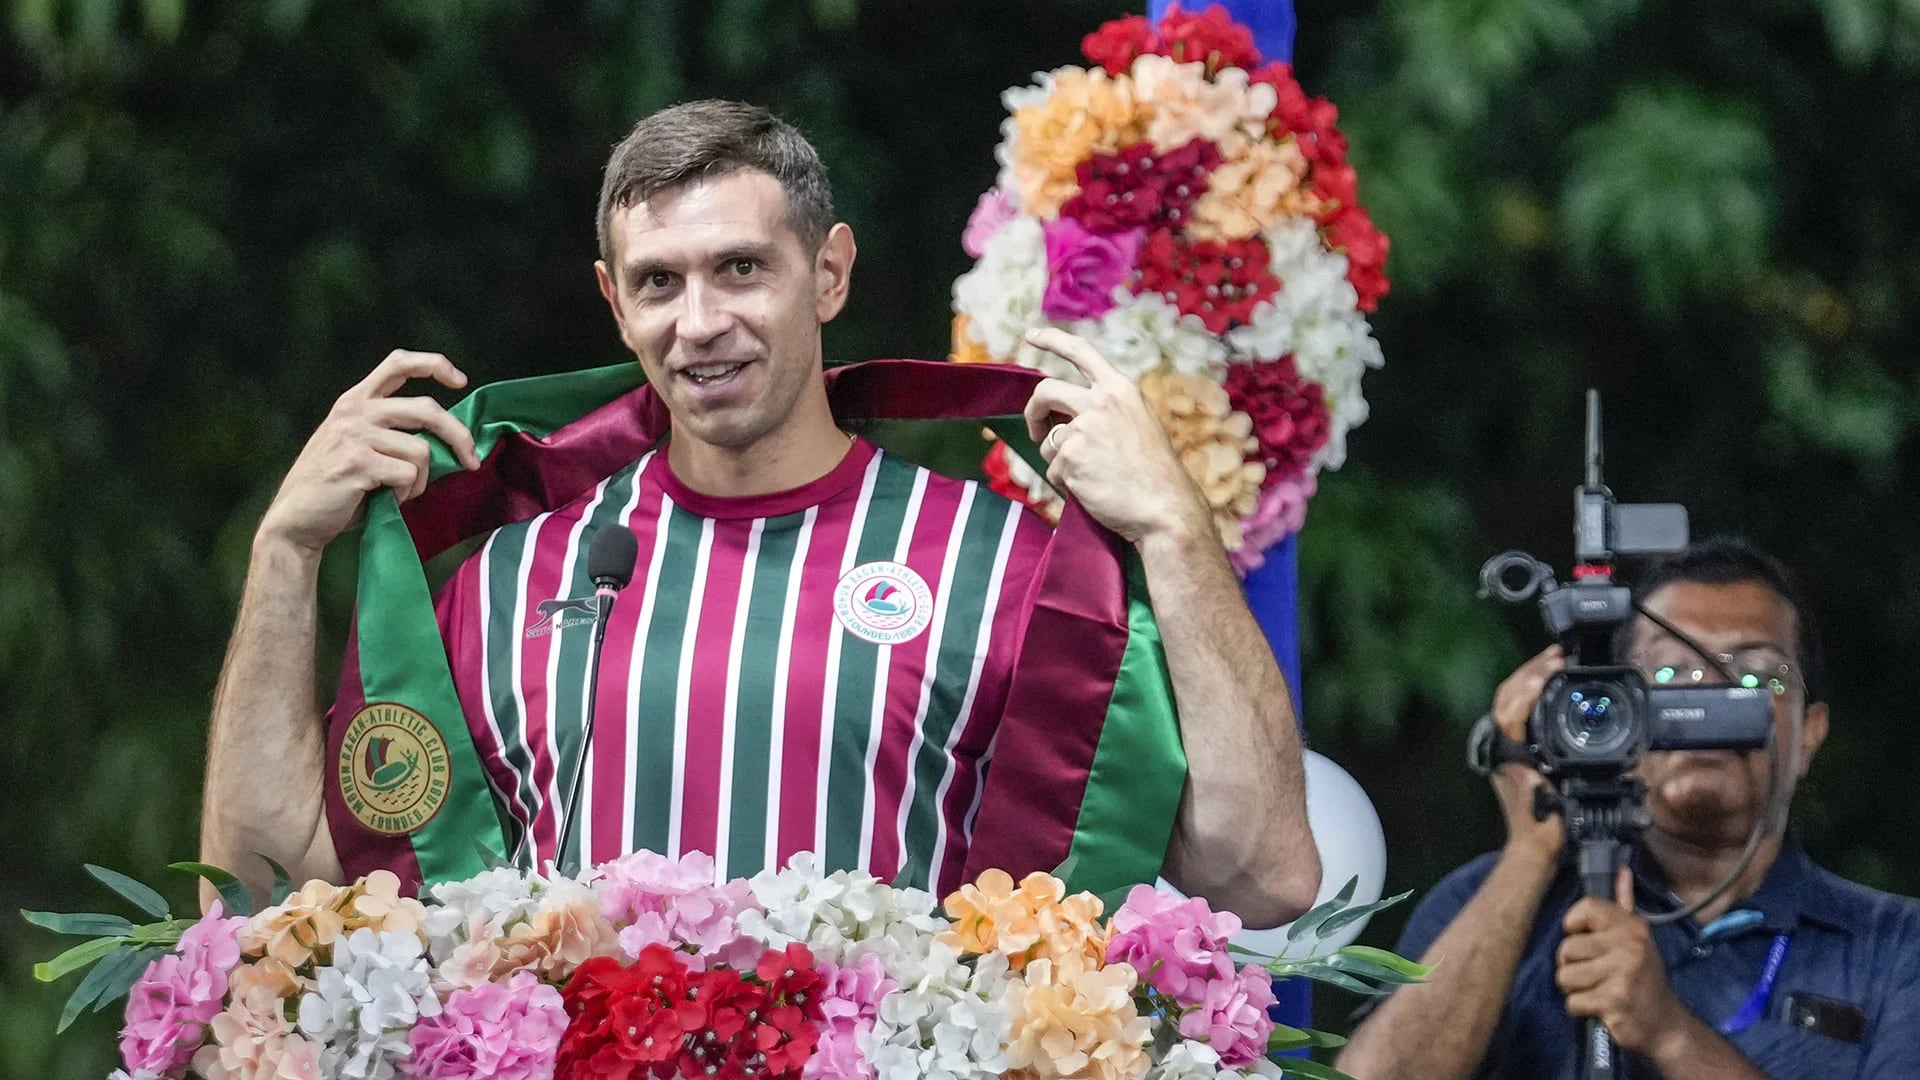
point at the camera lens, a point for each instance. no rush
(1595, 720)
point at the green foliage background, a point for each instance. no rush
(216, 215)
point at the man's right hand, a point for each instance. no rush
(364, 445)
(1515, 783)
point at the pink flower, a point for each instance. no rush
(653, 900)
(1233, 1019)
(254, 1040)
(1281, 511)
(1084, 267)
(509, 1030)
(848, 1005)
(1179, 946)
(169, 1008)
(994, 209)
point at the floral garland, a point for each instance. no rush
(644, 967)
(1190, 211)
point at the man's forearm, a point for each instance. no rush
(1241, 839)
(265, 749)
(1439, 1030)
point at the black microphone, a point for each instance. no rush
(610, 558)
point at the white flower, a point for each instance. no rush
(841, 916)
(494, 899)
(1001, 295)
(948, 1022)
(1143, 333)
(364, 1003)
(1186, 1060)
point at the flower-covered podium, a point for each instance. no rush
(1188, 209)
(645, 967)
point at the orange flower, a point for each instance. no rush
(1074, 1020)
(378, 905)
(556, 939)
(1248, 194)
(304, 926)
(275, 977)
(1213, 441)
(306, 923)
(1084, 113)
(1035, 921)
(966, 350)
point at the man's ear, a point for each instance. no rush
(833, 271)
(609, 291)
(1813, 732)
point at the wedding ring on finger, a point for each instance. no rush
(1053, 437)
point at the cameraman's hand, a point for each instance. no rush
(1609, 968)
(1515, 783)
(364, 445)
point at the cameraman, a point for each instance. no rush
(1521, 954)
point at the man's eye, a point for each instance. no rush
(659, 279)
(743, 267)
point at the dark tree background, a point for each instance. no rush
(214, 216)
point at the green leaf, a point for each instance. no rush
(1342, 919)
(103, 974)
(238, 899)
(1294, 1038)
(1319, 972)
(1371, 971)
(1310, 922)
(1311, 1070)
(134, 892)
(125, 976)
(74, 959)
(1391, 960)
(80, 925)
(283, 881)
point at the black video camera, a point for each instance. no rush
(1597, 718)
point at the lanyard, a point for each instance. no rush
(1762, 991)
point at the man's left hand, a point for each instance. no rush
(1110, 452)
(1609, 968)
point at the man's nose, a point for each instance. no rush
(704, 316)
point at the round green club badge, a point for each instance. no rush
(393, 768)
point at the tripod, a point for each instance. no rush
(1604, 815)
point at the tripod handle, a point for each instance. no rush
(1597, 1053)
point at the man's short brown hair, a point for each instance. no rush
(707, 139)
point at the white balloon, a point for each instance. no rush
(1346, 829)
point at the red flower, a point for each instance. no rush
(1136, 187)
(1309, 119)
(1211, 37)
(1289, 414)
(655, 1018)
(1218, 281)
(1117, 44)
(1351, 231)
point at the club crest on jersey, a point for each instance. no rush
(562, 612)
(393, 768)
(885, 603)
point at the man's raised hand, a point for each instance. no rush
(364, 445)
(1110, 453)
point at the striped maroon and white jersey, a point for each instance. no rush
(816, 670)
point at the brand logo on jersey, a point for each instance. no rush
(562, 612)
(883, 602)
(393, 768)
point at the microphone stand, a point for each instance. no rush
(604, 592)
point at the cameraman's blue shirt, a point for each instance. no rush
(1851, 953)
